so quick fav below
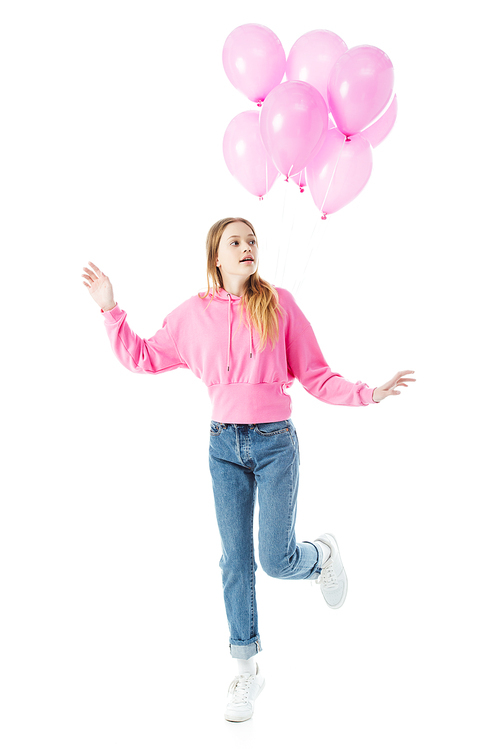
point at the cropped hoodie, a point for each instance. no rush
(245, 386)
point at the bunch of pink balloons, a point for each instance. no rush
(320, 125)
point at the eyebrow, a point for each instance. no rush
(237, 236)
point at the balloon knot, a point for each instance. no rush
(323, 217)
(286, 179)
(261, 198)
(259, 103)
(301, 189)
(348, 139)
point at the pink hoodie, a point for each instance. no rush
(245, 386)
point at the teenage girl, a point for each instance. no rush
(253, 442)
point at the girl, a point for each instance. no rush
(253, 442)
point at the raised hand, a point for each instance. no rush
(389, 388)
(100, 288)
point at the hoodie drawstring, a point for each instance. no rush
(250, 338)
(228, 329)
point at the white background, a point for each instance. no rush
(113, 629)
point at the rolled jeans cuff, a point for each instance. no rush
(317, 572)
(246, 651)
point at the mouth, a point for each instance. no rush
(248, 259)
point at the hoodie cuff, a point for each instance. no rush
(366, 395)
(112, 314)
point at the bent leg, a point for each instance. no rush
(277, 474)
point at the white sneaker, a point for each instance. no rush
(333, 579)
(242, 693)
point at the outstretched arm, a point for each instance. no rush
(149, 356)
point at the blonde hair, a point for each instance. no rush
(260, 300)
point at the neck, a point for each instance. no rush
(234, 285)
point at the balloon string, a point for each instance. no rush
(281, 235)
(333, 175)
(301, 277)
(264, 219)
(287, 247)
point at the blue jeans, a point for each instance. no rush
(244, 458)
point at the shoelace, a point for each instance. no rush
(241, 685)
(328, 578)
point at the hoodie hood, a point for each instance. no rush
(231, 300)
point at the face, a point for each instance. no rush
(236, 244)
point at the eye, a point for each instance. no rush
(235, 242)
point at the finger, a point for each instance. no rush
(400, 375)
(406, 379)
(390, 383)
(95, 268)
(91, 275)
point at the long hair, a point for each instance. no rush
(259, 300)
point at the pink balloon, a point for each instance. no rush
(245, 155)
(293, 125)
(359, 88)
(300, 178)
(254, 60)
(381, 128)
(339, 171)
(312, 58)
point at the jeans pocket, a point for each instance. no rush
(215, 428)
(271, 428)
